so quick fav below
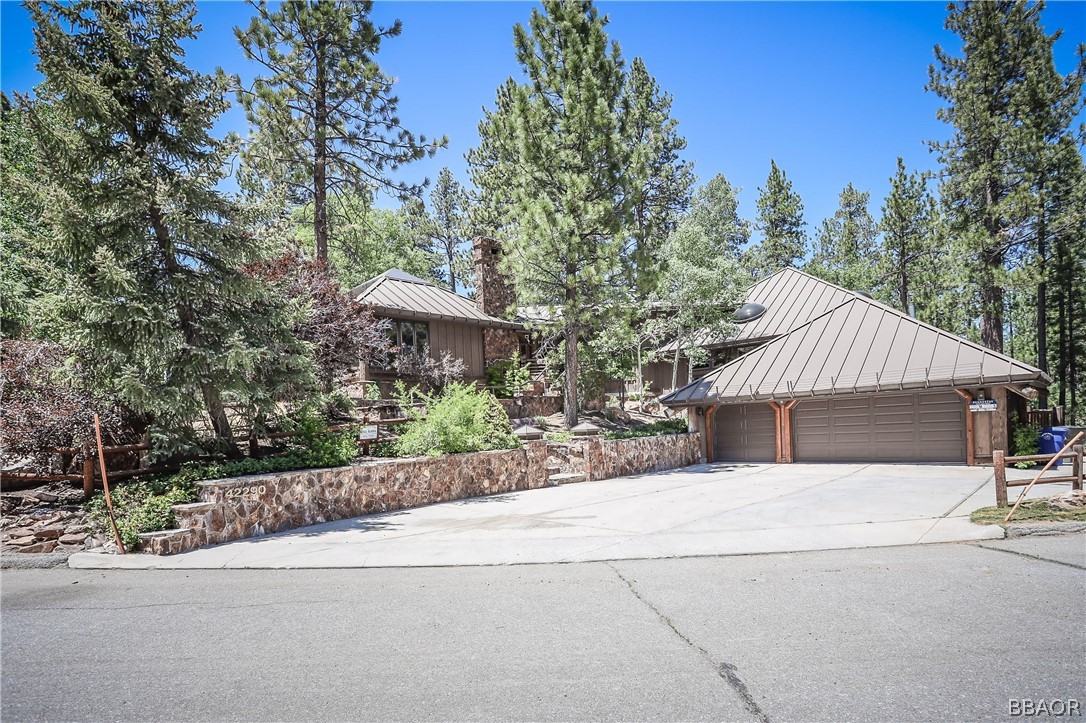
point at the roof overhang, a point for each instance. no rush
(395, 312)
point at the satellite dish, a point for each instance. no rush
(865, 294)
(749, 312)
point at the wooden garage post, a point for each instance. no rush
(970, 452)
(786, 429)
(777, 427)
(710, 455)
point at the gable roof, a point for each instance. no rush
(858, 346)
(791, 297)
(398, 294)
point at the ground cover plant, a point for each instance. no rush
(462, 418)
(1032, 510)
(664, 426)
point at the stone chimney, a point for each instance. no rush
(494, 297)
(493, 292)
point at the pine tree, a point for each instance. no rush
(668, 180)
(780, 223)
(19, 283)
(444, 227)
(324, 114)
(700, 291)
(989, 90)
(847, 242)
(148, 282)
(562, 173)
(907, 240)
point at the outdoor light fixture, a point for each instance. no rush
(749, 312)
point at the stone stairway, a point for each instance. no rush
(560, 469)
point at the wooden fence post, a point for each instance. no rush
(88, 477)
(1000, 465)
(1076, 467)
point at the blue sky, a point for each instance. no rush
(833, 91)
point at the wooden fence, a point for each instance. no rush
(1045, 417)
(1000, 462)
(91, 479)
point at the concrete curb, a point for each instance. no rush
(1026, 529)
(34, 560)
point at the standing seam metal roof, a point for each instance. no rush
(859, 346)
(399, 294)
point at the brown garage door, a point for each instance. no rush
(918, 427)
(745, 433)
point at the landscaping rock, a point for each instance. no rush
(22, 541)
(49, 533)
(48, 546)
(1070, 501)
(73, 539)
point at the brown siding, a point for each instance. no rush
(463, 341)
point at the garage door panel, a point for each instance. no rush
(916, 427)
(745, 433)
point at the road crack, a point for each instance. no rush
(727, 671)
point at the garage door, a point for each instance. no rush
(745, 433)
(927, 427)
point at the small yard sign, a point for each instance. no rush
(368, 432)
(983, 405)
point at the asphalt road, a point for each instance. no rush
(947, 632)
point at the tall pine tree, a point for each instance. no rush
(324, 114)
(780, 223)
(127, 175)
(987, 187)
(561, 167)
(846, 243)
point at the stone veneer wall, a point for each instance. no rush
(234, 509)
(606, 458)
(524, 407)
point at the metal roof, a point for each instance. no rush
(398, 294)
(791, 298)
(860, 346)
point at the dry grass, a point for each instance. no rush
(1033, 510)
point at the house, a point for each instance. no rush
(430, 320)
(818, 373)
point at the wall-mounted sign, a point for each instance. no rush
(983, 405)
(367, 432)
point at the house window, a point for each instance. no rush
(409, 336)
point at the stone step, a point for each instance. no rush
(565, 478)
(553, 469)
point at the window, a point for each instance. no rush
(409, 336)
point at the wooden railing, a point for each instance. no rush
(1000, 462)
(1045, 417)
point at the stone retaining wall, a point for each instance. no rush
(234, 509)
(606, 458)
(531, 407)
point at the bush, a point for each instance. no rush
(664, 426)
(1026, 442)
(462, 419)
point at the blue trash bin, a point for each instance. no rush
(1052, 441)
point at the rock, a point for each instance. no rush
(22, 541)
(20, 532)
(76, 529)
(1070, 501)
(47, 497)
(92, 542)
(49, 533)
(47, 546)
(73, 539)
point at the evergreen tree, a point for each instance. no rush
(908, 241)
(558, 163)
(699, 292)
(148, 284)
(780, 223)
(987, 187)
(847, 242)
(668, 180)
(19, 282)
(324, 114)
(445, 227)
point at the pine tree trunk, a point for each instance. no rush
(1042, 290)
(640, 381)
(452, 274)
(675, 365)
(219, 421)
(569, 397)
(320, 157)
(1061, 361)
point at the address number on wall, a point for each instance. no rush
(245, 491)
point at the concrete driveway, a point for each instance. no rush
(722, 509)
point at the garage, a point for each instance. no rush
(852, 380)
(744, 433)
(881, 428)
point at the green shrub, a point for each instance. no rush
(462, 419)
(664, 426)
(142, 506)
(562, 437)
(1026, 442)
